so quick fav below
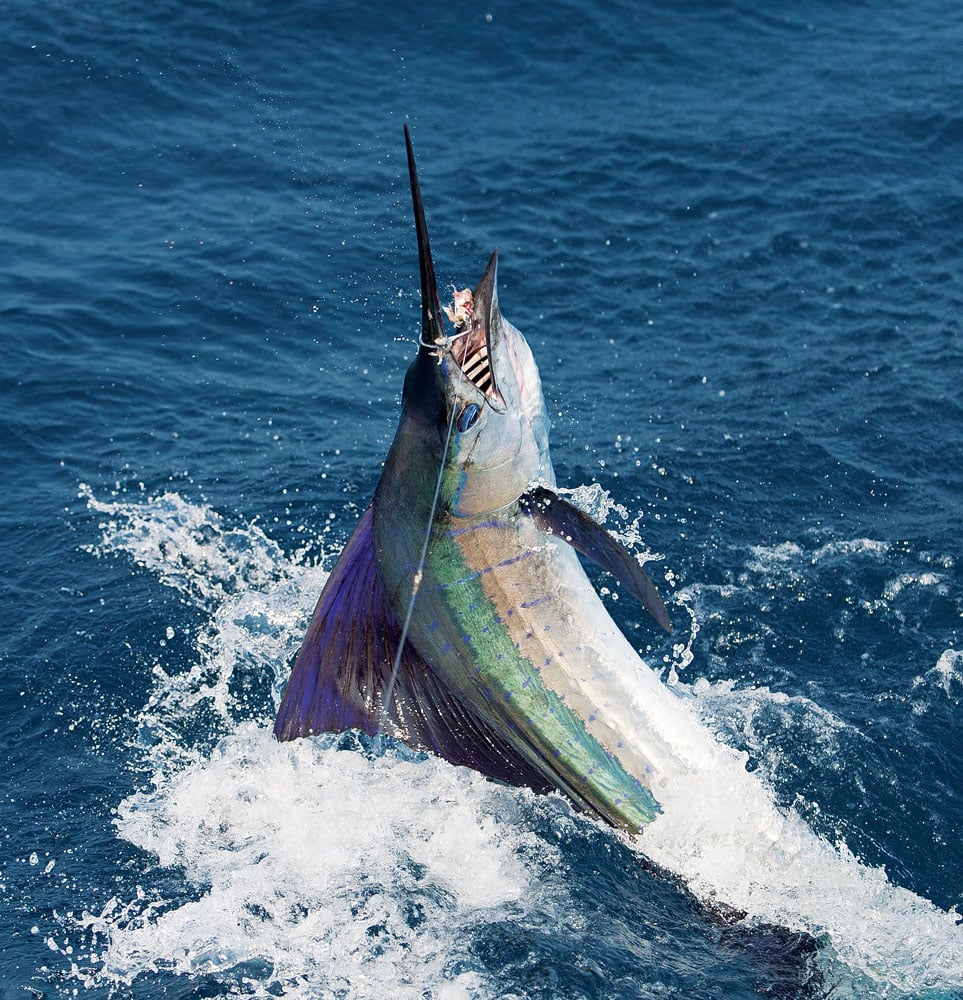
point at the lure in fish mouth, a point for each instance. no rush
(458, 618)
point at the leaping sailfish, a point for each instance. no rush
(462, 579)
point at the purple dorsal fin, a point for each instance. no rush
(344, 666)
(345, 659)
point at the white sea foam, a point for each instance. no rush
(731, 709)
(189, 546)
(945, 677)
(948, 670)
(787, 552)
(722, 835)
(315, 871)
(790, 561)
(320, 870)
(927, 579)
(721, 832)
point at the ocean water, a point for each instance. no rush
(731, 234)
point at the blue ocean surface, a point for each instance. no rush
(732, 236)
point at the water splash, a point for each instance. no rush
(946, 677)
(306, 870)
(721, 833)
(322, 871)
(311, 870)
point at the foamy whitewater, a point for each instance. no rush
(339, 865)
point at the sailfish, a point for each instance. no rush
(459, 618)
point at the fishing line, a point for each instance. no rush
(448, 341)
(416, 580)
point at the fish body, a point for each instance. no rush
(459, 618)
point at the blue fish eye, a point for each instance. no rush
(468, 417)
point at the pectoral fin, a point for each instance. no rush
(559, 517)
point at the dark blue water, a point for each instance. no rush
(731, 235)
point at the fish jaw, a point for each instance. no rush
(487, 463)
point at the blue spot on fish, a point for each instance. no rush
(455, 532)
(514, 559)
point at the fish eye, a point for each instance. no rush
(468, 417)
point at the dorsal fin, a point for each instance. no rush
(345, 659)
(345, 663)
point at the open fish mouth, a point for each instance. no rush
(476, 365)
(469, 343)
